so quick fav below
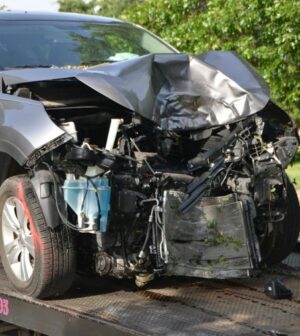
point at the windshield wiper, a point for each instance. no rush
(28, 66)
(97, 62)
(33, 66)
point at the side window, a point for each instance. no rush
(153, 45)
(120, 42)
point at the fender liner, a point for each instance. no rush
(43, 185)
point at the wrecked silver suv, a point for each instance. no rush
(122, 157)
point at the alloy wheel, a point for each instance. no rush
(17, 239)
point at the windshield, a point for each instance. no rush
(62, 44)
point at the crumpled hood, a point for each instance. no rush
(176, 91)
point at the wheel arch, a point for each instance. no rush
(41, 182)
(9, 167)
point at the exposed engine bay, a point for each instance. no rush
(150, 198)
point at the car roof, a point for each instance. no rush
(53, 16)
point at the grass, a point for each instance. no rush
(294, 173)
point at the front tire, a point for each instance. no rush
(39, 261)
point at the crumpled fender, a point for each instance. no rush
(25, 127)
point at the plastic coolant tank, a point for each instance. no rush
(85, 196)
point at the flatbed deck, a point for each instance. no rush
(171, 306)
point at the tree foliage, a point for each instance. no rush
(110, 8)
(78, 6)
(265, 32)
(115, 8)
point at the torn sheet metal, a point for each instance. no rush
(176, 91)
(211, 240)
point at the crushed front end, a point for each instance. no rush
(149, 202)
(180, 192)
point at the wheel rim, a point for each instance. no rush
(17, 239)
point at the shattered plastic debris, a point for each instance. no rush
(277, 333)
(277, 290)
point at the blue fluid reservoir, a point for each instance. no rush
(90, 200)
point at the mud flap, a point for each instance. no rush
(215, 239)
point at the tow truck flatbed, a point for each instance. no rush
(171, 306)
